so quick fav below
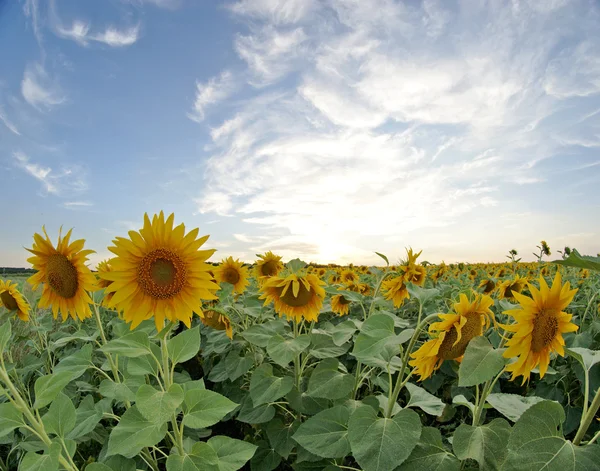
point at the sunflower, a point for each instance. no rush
(218, 322)
(159, 272)
(321, 272)
(65, 276)
(268, 265)
(545, 248)
(394, 289)
(508, 288)
(296, 296)
(540, 323)
(13, 300)
(488, 285)
(334, 278)
(103, 267)
(416, 275)
(348, 276)
(453, 334)
(340, 305)
(233, 272)
(501, 273)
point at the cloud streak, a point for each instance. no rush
(39, 89)
(66, 181)
(210, 93)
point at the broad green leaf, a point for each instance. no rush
(184, 346)
(265, 458)
(46, 462)
(255, 415)
(202, 457)
(423, 295)
(133, 433)
(10, 418)
(512, 406)
(5, 333)
(485, 444)
(80, 335)
(158, 406)
(145, 364)
(323, 346)
(236, 366)
(377, 339)
(86, 418)
(117, 391)
(326, 434)
(61, 416)
(429, 403)
(78, 363)
(430, 454)
(283, 350)
(587, 358)
(329, 383)
(203, 408)
(232, 454)
(260, 334)
(295, 265)
(280, 436)
(461, 400)
(380, 444)
(97, 467)
(132, 345)
(480, 363)
(387, 262)
(343, 332)
(575, 259)
(47, 387)
(266, 387)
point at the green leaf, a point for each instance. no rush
(260, 334)
(283, 350)
(5, 333)
(184, 346)
(430, 454)
(480, 363)
(202, 457)
(323, 346)
(377, 339)
(10, 418)
(423, 295)
(429, 403)
(86, 418)
(280, 436)
(203, 408)
(117, 391)
(326, 434)
(232, 454)
(295, 265)
(265, 458)
(145, 364)
(387, 262)
(133, 433)
(343, 332)
(78, 363)
(575, 259)
(485, 444)
(329, 383)
(61, 416)
(512, 406)
(46, 462)
(132, 345)
(537, 443)
(47, 387)
(97, 467)
(255, 415)
(380, 444)
(461, 400)
(266, 387)
(158, 406)
(236, 366)
(587, 358)
(79, 335)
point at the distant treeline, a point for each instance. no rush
(15, 271)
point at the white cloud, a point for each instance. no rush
(210, 93)
(275, 11)
(31, 10)
(66, 181)
(576, 72)
(77, 204)
(37, 171)
(39, 89)
(111, 36)
(11, 127)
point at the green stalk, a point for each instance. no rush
(587, 418)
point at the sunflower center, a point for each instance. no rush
(472, 328)
(62, 275)
(545, 328)
(231, 275)
(161, 274)
(269, 268)
(303, 298)
(9, 302)
(343, 301)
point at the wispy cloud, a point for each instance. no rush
(275, 11)
(210, 93)
(32, 11)
(77, 204)
(39, 89)
(111, 36)
(67, 180)
(11, 127)
(37, 171)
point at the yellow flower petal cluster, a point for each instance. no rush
(12, 299)
(267, 265)
(233, 272)
(340, 305)
(297, 296)
(217, 321)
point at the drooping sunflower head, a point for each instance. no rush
(321, 272)
(501, 273)
(488, 285)
(545, 248)
(62, 271)
(334, 278)
(268, 265)
(12, 299)
(217, 321)
(508, 288)
(348, 276)
(340, 305)
(453, 333)
(416, 274)
(395, 290)
(540, 322)
(297, 295)
(233, 272)
(159, 272)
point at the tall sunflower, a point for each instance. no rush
(395, 290)
(268, 264)
(508, 288)
(63, 273)
(296, 296)
(540, 323)
(453, 334)
(103, 267)
(233, 272)
(340, 305)
(13, 300)
(159, 271)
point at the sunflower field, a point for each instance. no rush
(167, 359)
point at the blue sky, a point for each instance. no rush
(325, 129)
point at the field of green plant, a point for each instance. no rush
(167, 359)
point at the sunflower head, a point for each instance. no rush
(488, 285)
(340, 305)
(298, 295)
(321, 272)
(395, 289)
(233, 272)
(540, 322)
(416, 275)
(545, 248)
(453, 333)
(62, 271)
(159, 272)
(217, 321)
(508, 288)
(348, 276)
(267, 265)
(12, 299)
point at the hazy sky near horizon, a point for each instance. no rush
(319, 129)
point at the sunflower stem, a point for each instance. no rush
(587, 418)
(376, 292)
(113, 365)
